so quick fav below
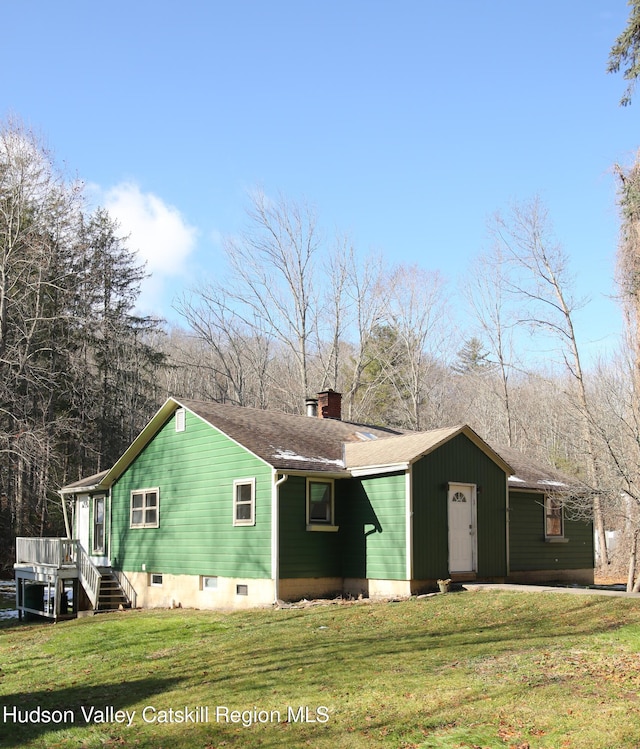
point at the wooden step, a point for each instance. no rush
(111, 596)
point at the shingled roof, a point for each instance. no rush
(287, 441)
(531, 475)
(290, 442)
(88, 483)
(407, 448)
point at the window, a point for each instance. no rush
(145, 508)
(180, 420)
(155, 579)
(98, 525)
(553, 518)
(319, 503)
(244, 501)
(208, 582)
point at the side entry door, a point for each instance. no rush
(461, 505)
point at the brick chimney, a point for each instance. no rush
(330, 405)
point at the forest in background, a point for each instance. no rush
(296, 311)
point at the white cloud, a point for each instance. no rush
(158, 233)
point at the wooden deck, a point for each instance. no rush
(55, 578)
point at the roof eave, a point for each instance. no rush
(361, 471)
(140, 442)
(66, 491)
(314, 472)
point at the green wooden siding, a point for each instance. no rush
(373, 529)
(457, 461)
(194, 471)
(528, 549)
(306, 553)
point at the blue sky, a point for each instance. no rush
(406, 124)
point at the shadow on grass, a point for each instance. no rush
(26, 716)
(338, 650)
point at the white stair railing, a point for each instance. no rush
(88, 574)
(127, 588)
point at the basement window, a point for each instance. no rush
(208, 582)
(155, 580)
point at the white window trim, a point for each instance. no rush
(208, 588)
(243, 482)
(144, 492)
(95, 550)
(317, 525)
(155, 584)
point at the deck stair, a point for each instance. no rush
(111, 596)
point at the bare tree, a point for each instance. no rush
(38, 211)
(628, 264)
(364, 303)
(492, 307)
(238, 354)
(540, 277)
(333, 316)
(73, 356)
(273, 279)
(415, 313)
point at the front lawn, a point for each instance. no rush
(482, 669)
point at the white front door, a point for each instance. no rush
(462, 527)
(82, 522)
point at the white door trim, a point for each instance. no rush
(82, 520)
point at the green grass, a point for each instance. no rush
(461, 670)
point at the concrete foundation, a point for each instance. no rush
(200, 592)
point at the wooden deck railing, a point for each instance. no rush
(56, 552)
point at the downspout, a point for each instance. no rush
(508, 528)
(107, 535)
(275, 534)
(409, 523)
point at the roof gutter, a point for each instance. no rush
(84, 489)
(379, 469)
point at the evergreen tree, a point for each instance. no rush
(626, 52)
(78, 367)
(472, 358)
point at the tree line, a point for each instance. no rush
(78, 367)
(296, 311)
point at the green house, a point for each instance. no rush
(220, 506)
